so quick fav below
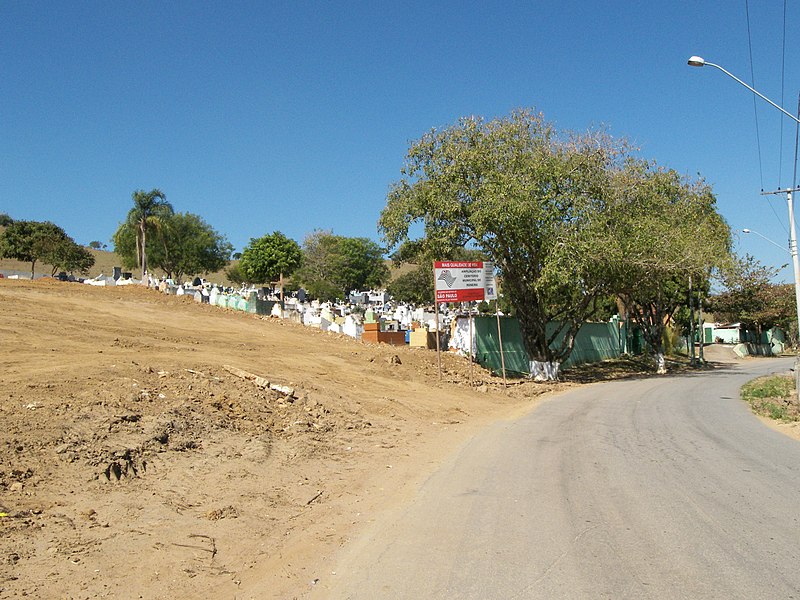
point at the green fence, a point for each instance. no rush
(594, 342)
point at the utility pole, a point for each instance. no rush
(792, 245)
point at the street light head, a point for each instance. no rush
(745, 231)
(696, 61)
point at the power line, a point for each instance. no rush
(753, 83)
(783, 96)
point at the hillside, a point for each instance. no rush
(129, 431)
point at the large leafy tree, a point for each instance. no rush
(34, 241)
(525, 195)
(335, 265)
(661, 229)
(148, 213)
(182, 244)
(187, 245)
(270, 258)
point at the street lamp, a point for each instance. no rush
(763, 237)
(696, 61)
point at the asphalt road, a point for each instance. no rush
(650, 488)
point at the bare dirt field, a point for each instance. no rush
(136, 462)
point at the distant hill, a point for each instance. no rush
(104, 263)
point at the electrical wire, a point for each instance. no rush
(753, 84)
(783, 97)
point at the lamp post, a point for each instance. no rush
(763, 237)
(696, 61)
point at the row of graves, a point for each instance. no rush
(368, 316)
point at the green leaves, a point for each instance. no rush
(266, 258)
(181, 244)
(34, 241)
(524, 195)
(334, 265)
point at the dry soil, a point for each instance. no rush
(137, 461)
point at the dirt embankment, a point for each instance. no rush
(136, 461)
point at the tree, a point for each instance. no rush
(95, 245)
(749, 297)
(235, 275)
(187, 245)
(269, 258)
(125, 245)
(415, 286)
(34, 241)
(183, 244)
(335, 265)
(5, 220)
(525, 196)
(661, 230)
(69, 257)
(148, 212)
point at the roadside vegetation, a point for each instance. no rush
(773, 396)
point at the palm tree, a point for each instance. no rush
(149, 208)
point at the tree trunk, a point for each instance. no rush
(144, 254)
(661, 364)
(544, 371)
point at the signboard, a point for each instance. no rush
(464, 281)
(489, 283)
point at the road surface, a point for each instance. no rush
(650, 488)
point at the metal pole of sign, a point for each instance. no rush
(500, 339)
(471, 357)
(691, 323)
(438, 331)
(701, 355)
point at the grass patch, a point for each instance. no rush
(772, 396)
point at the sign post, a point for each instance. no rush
(464, 281)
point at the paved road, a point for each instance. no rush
(652, 488)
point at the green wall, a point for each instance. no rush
(594, 342)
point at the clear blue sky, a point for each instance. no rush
(295, 116)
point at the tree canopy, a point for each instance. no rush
(524, 194)
(662, 229)
(569, 219)
(335, 265)
(749, 297)
(182, 245)
(34, 241)
(148, 212)
(267, 258)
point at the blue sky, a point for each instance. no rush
(295, 116)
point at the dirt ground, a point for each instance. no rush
(140, 458)
(137, 462)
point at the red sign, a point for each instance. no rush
(459, 281)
